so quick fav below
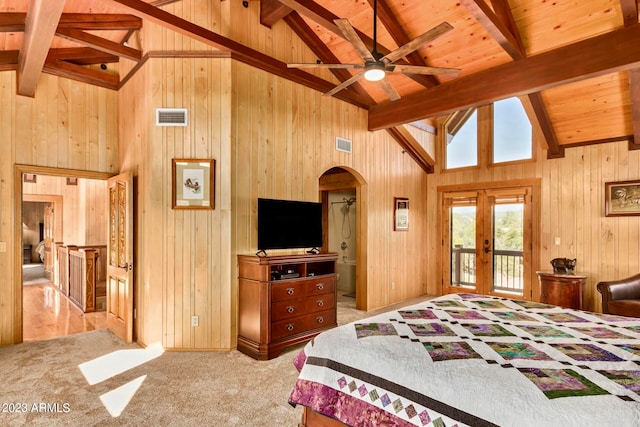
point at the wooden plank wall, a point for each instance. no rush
(66, 125)
(572, 207)
(270, 138)
(84, 208)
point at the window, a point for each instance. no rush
(462, 140)
(511, 131)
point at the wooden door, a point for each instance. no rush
(488, 242)
(120, 257)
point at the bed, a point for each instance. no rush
(467, 359)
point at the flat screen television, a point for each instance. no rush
(289, 224)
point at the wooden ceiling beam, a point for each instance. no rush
(11, 22)
(324, 54)
(412, 147)
(14, 21)
(502, 27)
(239, 52)
(495, 27)
(100, 21)
(629, 11)
(9, 60)
(554, 150)
(272, 11)
(607, 53)
(40, 26)
(395, 29)
(83, 74)
(99, 43)
(82, 56)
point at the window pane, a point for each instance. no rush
(462, 149)
(511, 131)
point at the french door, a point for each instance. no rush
(487, 241)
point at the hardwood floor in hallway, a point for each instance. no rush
(48, 314)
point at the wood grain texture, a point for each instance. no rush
(42, 132)
(571, 208)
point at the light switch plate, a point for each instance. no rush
(3, 246)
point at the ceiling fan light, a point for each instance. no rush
(374, 72)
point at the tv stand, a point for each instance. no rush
(284, 300)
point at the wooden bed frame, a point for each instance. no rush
(311, 418)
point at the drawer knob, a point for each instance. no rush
(320, 303)
(290, 327)
(290, 291)
(320, 286)
(320, 319)
(290, 309)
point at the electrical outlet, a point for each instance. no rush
(195, 320)
(3, 246)
(393, 285)
(556, 241)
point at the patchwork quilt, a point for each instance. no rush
(476, 360)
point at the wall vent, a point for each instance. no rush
(171, 116)
(343, 145)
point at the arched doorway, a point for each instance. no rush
(346, 190)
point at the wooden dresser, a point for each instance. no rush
(284, 300)
(564, 290)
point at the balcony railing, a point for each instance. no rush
(508, 275)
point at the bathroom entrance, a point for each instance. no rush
(343, 193)
(342, 238)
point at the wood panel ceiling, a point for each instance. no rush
(577, 61)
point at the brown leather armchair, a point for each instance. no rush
(621, 297)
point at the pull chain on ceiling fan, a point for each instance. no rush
(376, 65)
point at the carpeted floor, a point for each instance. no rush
(95, 379)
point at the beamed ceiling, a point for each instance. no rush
(577, 62)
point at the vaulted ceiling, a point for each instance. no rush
(578, 62)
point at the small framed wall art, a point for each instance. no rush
(622, 198)
(193, 183)
(401, 214)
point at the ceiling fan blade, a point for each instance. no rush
(392, 94)
(417, 43)
(321, 65)
(345, 83)
(350, 34)
(416, 69)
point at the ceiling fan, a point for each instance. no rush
(376, 65)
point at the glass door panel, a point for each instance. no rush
(508, 248)
(462, 247)
(487, 242)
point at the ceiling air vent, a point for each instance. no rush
(343, 145)
(171, 116)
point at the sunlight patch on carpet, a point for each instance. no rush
(104, 367)
(117, 400)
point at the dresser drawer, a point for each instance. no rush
(302, 288)
(292, 308)
(296, 325)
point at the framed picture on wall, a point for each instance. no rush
(622, 198)
(193, 183)
(401, 214)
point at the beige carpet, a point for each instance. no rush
(95, 379)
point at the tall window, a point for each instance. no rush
(511, 131)
(462, 140)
